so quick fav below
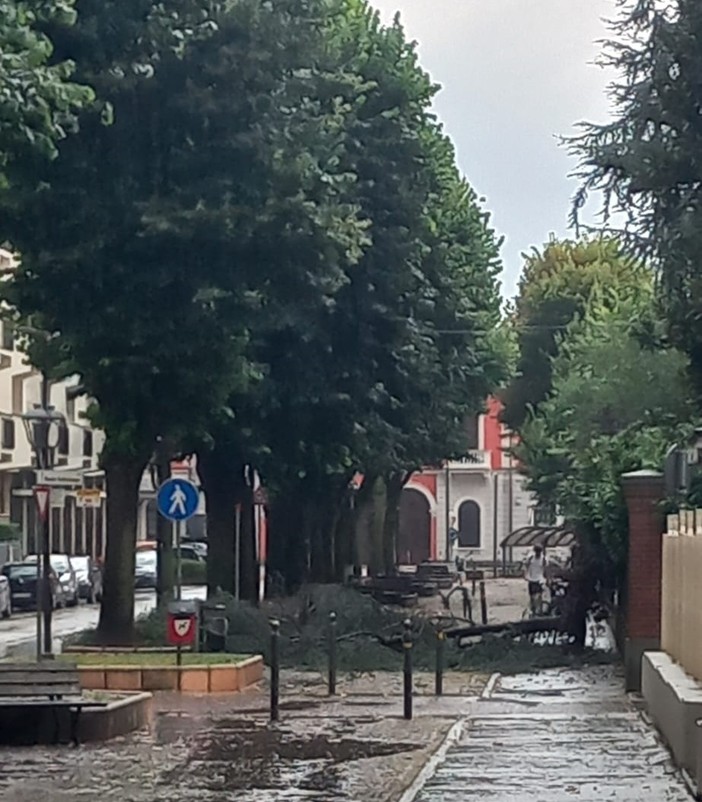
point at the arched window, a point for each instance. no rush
(469, 525)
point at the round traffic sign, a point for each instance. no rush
(178, 499)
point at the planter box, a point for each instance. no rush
(121, 715)
(216, 678)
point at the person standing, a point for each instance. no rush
(534, 575)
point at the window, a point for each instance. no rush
(472, 430)
(70, 407)
(469, 525)
(8, 433)
(8, 336)
(87, 443)
(63, 440)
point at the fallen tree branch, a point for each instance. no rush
(526, 627)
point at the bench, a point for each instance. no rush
(48, 685)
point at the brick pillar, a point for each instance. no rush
(644, 491)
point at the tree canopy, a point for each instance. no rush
(38, 100)
(556, 286)
(646, 163)
(268, 255)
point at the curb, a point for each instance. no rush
(429, 768)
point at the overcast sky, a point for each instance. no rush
(515, 74)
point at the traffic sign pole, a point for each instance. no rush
(180, 526)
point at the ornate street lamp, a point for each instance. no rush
(43, 426)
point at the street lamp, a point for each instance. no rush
(43, 426)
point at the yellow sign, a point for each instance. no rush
(89, 497)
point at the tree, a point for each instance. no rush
(148, 244)
(38, 101)
(555, 289)
(646, 161)
(616, 405)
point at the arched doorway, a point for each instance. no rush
(469, 525)
(415, 528)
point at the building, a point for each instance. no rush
(482, 496)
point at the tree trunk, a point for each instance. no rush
(286, 551)
(122, 477)
(363, 553)
(377, 526)
(219, 484)
(391, 526)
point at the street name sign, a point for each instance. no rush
(52, 478)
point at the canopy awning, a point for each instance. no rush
(546, 536)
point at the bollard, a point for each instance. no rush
(407, 671)
(332, 654)
(466, 606)
(275, 669)
(483, 602)
(439, 677)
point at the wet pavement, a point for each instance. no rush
(555, 736)
(547, 737)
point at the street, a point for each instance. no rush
(18, 634)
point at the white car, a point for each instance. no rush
(5, 598)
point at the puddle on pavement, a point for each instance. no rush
(241, 754)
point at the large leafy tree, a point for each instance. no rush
(38, 100)
(646, 162)
(616, 404)
(148, 244)
(379, 378)
(555, 289)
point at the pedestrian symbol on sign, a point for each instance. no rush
(178, 500)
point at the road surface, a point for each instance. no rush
(18, 634)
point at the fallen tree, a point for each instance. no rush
(529, 626)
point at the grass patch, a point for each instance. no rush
(151, 659)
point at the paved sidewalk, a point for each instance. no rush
(553, 737)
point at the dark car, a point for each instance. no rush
(145, 569)
(61, 565)
(23, 585)
(89, 578)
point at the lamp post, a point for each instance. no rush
(43, 427)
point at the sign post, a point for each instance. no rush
(42, 497)
(181, 628)
(178, 500)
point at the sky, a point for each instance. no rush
(516, 74)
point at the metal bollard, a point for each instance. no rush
(275, 669)
(439, 677)
(332, 654)
(483, 602)
(407, 670)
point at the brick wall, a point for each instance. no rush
(644, 492)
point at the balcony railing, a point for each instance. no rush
(473, 461)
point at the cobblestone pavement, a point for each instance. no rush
(548, 737)
(553, 737)
(222, 748)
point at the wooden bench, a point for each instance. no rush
(48, 685)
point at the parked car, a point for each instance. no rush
(189, 551)
(5, 597)
(145, 569)
(22, 578)
(89, 577)
(199, 546)
(68, 582)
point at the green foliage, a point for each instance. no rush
(645, 161)
(616, 406)
(194, 572)
(556, 287)
(38, 101)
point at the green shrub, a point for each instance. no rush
(194, 572)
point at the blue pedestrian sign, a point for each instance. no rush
(177, 499)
